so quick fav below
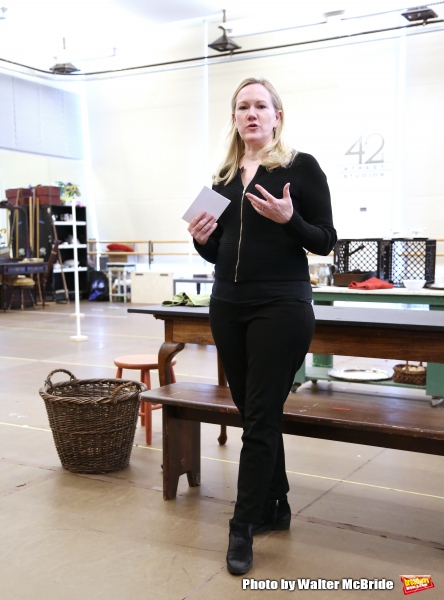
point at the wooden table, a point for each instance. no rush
(328, 295)
(14, 268)
(367, 332)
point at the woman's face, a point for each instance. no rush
(255, 116)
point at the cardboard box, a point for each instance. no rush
(151, 288)
(116, 257)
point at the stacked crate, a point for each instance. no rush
(391, 260)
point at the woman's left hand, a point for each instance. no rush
(278, 210)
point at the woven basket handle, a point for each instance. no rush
(116, 390)
(48, 381)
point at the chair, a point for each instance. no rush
(22, 283)
(143, 363)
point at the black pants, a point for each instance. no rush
(261, 348)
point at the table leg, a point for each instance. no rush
(222, 439)
(435, 380)
(435, 375)
(300, 377)
(167, 352)
(181, 452)
(323, 360)
(319, 360)
(44, 284)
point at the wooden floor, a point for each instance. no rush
(358, 511)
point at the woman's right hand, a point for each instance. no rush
(201, 227)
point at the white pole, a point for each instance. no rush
(206, 113)
(78, 337)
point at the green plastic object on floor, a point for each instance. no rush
(183, 299)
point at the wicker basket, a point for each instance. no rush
(93, 421)
(405, 374)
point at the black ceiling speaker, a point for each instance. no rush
(224, 43)
(419, 13)
(64, 69)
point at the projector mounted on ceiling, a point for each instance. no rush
(64, 69)
(64, 60)
(419, 13)
(224, 43)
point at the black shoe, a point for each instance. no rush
(240, 548)
(276, 516)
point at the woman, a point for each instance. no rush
(260, 312)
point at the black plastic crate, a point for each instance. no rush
(363, 256)
(413, 259)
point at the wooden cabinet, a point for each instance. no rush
(42, 218)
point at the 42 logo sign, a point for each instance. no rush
(374, 143)
(368, 160)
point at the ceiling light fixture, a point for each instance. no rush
(224, 43)
(419, 13)
(64, 68)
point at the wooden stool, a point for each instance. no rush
(22, 283)
(143, 363)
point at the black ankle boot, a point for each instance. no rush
(276, 516)
(240, 548)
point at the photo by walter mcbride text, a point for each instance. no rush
(318, 584)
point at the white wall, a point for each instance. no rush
(21, 169)
(423, 197)
(332, 97)
(149, 144)
(155, 139)
(148, 152)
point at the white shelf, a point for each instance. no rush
(65, 246)
(57, 269)
(69, 222)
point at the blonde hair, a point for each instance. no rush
(275, 154)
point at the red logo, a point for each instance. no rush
(416, 583)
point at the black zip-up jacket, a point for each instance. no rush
(247, 246)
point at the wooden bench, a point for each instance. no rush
(388, 421)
